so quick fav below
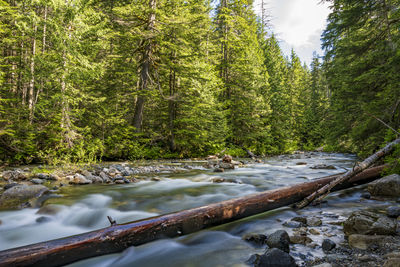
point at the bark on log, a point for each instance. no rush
(325, 190)
(118, 237)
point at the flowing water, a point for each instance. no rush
(85, 208)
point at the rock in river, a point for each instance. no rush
(386, 186)
(20, 196)
(369, 223)
(279, 239)
(276, 258)
(80, 179)
(393, 211)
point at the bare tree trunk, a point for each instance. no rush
(147, 61)
(325, 190)
(119, 237)
(32, 81)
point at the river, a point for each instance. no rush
(85, 208)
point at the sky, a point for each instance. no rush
(298, 24)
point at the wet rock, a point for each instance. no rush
(302, 220)
(50, 209)
(386, 186)
(301, 163)
(219, 170)
(323, 167)
(300, 239)
(53, 177)
(292, 224)
(314, 232)
(314, 221)
(155, 179)
(218, 180)
(366, 195)
(258, 161)
(279, 239)
(276, 258)
(43, 219)
(226, 166)
(256, 239)
(254, 260)
(104, 177)
(119, 181)
(227, 158)
(300, 231)
(20, 196)
(8, 186)
(365, 222)
(328, 245)
(42, 176)
(79, 179)
(37, 181)
(392, 263)
(393, 211)
(14, 175)
(368, 241)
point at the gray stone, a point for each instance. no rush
(300, 239)
(303, 220)
(365, 222)
(8, 186)
(393, 211)
(104, 177)
(225, 165)
(42, 176)
(276, 258)
(292, 224)
(53, 177)
(20, 196)
(43, 219)
(253, 260)
(314, 221)
(79, 179)
(13, 175)
(328, 245)
(50, 209)
(279, 239)
(386, 186)
(37, 181)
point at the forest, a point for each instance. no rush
(91, 80)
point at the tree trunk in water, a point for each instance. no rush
(145, 69)
(118, 237)
(324, 191)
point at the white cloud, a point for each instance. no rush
(298, 24)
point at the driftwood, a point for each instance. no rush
(118, 237)
(325, 190)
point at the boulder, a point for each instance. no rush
(328, 245)
(276, 258)
(21, 196)
(386, 186)
(369, 223)
(279, 239)
(13, 175)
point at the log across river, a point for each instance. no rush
(118, 237)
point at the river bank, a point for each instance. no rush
(82, 208)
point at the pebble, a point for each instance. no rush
(314, 221)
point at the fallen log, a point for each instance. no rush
(325, 190)
(117, 237)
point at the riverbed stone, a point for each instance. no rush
(323, 167)
(37, 181)
(314, 221)
(279, 239)
(53, 177)
(79, 179)
(50, 209)
(219, 170)
(302, 220)
(276, 258)
(256, 239)
(328, 245)
(368, 241)
(43, 219)
(293, 224)
(314, 231)
(300, 239)
(226, 166)
(323, 265)
(386, 186)
(20, 196)
(104, 177)
(227, 158)
(8, 186)
(366, 222)
(393, 211)
(15, 175)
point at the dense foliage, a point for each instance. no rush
(117, 79)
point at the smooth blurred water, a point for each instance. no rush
(85, 208)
